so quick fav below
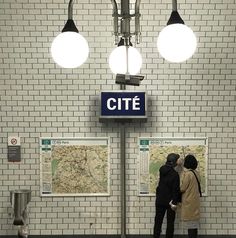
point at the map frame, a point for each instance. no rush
(46, 171)
(148, 175)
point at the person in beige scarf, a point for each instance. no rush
(191, 192)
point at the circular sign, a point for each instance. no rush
(13, 141)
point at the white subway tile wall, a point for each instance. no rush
(196, 98)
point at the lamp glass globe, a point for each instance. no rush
(118, 60)
(176, 43)
(69, 49)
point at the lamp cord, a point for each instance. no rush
(174, 5)
(70, 10)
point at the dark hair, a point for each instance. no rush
(190, 162)
(171, 159)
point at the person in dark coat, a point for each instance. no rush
(167, 196)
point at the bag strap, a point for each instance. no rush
(199, 186)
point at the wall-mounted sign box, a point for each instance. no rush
(123, 105)
(14, 149)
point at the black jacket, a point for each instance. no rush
(169, 186)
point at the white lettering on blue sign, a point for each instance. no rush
(123, 103)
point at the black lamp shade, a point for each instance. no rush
(175, 18)
(122, 42)
(70, 26)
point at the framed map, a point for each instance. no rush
(74, 166)
(153, 153)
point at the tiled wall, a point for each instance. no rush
(38, 99)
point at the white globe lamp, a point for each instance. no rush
(125, 60)
(69, 49)
(176, 42)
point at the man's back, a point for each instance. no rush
(168, 187)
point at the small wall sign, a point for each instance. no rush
(14, 149)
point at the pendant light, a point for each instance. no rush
(70, 49)
(176, 42)
(125, 60)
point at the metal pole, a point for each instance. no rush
(137, 22)
(125, 31)
(174, 5)
(115, 20)
(123, 180)
(125, 20)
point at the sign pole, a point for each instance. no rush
(123, 179)
(123, 174)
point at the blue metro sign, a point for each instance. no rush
(123, 104)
